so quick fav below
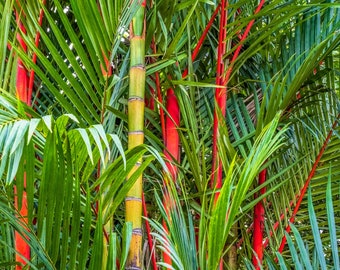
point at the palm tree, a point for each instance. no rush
(279, 64)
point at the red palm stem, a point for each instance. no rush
(159, 92)
(148, 232)
(259, 224)
(276, 225)
(172, 120)
(238, 49)
(202, 38)
(304, 188)
(221, 93)
(21, 247)
(171, 151)
(34, 58)
(220, 96)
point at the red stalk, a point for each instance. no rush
(202, 38)
(304, 188)
(259, 225)
(171, 151)
(238, 49)
(172, 120)
(22, 78)
(276, 225)
(159, 92)
(221, 101)
(107, 71)
(221, 93)
(34, 58)
(21, 246)
(148, 232)
(220, 96)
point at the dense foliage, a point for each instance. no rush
(66, 167)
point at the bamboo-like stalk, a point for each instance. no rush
(133, 200)
(259, 225)
(150, 103)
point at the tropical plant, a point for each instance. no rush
(237, 102)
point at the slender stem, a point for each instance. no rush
(259, 225)
(202, 38)
(171, 151)
(34, 58)
(238, 49)
(220, 97)
(172, 120)
(304, 188)
(276, 225)
(21, 247)
(136, 104)
(148, 232)
(159, 91)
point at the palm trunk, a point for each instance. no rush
(172, 138)
(221, 102)
(133, 200)
(220, 97)
(24, 90)
(171, 151)
(259, 225)
(21, 247)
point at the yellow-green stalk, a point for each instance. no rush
(133, 200)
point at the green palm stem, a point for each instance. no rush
(305, 187)
(21, 247)
(150, 103)
(259, 215)
(133, 200)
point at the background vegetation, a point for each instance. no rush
(238, 151)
